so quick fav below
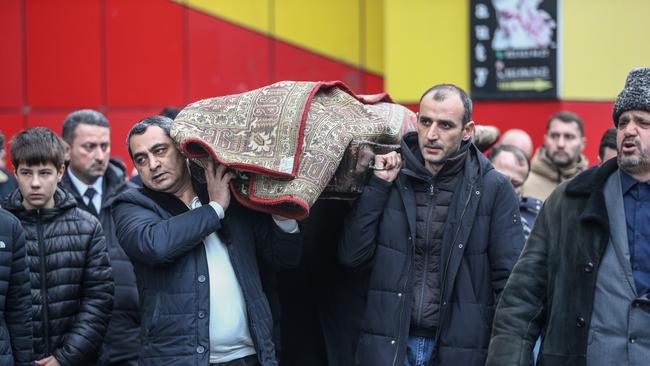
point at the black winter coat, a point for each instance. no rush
(481, 242)
(15, 306)
(552, 286)
(165, 243)
(72, 282)
(122, 337)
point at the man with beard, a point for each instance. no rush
(560, 158)
(583, 278)
(441, 233)
(94, 180)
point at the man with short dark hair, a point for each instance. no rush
(441, 232)
(560, 158)
(195, 256)
(95, 180)
(71, 277)
(583, 279)
(607, 148)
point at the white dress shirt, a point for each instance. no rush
(230, 337)
(82, 187)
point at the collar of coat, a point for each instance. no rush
(592, 179)
(590, 185)
(475, 166)
(173, 204)
(542, 165)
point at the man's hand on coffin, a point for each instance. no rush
(387, 166)
(217, 179)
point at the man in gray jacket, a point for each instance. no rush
(583, 278)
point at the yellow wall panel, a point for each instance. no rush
(328, 27)
(602, 41)
(253, 14)
(373, 37)
(426, 42)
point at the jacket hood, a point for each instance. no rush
(468, 159)
(63, 201)
(414, 162)
(542, 165)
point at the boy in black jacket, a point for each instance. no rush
(72, 283)
(15, 310)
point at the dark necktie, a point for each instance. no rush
(90, 193)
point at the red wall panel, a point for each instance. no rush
(121, 123)
(144, 53)
(51, 120)
(63, 53)
(225, 58)
(294, 63)
(372, 83)
(11, 66)
(10, 123)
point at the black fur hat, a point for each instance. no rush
(635, 95)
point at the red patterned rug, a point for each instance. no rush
(286, 140)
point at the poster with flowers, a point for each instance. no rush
(514, 49)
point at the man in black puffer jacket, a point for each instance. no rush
(87, 135)
(441, 233)
(15, 308)
(72, 284)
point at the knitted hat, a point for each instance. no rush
(635, 95)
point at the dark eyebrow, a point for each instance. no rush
(447, 121)
(137, 155)
(158, 145)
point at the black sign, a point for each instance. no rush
(513, 49)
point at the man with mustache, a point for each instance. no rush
(560, 158)
(195, 252)
(441, 231)
(94, 180)
(583, 279)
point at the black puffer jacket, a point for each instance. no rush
(15, 306)
(433, 196)
(71, 309)
(122, 338)
(482, 240)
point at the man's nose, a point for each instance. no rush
(99, 153)
(35, 182)
(154, 163)
(630, 129)
(432, 133)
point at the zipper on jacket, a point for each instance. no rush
(44, 299)
(426, 255)
(443, 275)
(401, 315)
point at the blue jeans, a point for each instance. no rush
(419, 351)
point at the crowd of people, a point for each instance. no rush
(450, 256)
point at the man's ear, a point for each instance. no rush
(60, 172)
(67, 149)
(584, 143)
(467, 130)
